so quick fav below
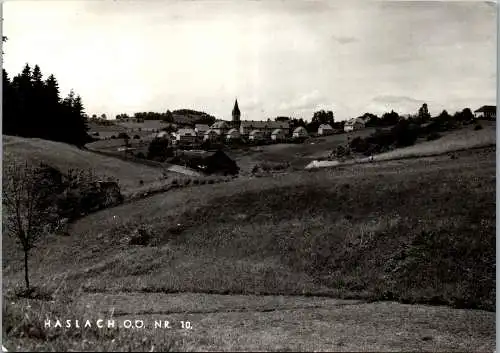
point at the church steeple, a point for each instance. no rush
(236, 115)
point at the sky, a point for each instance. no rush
(279, 58)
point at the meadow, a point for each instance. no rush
(264, 251)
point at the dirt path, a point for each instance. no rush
(242, 323)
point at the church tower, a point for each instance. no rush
(236, 115)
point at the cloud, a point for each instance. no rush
(401, 104)
(345, 40)
(397, 99)
(305, 101)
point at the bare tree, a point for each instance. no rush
(29, 206)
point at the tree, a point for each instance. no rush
(28, 198)
(169, 117)
(423, 113)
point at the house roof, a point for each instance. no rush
(300, 128)
(259, 124)
(355, 121)
(232, 131)
(326, 126)
(486, 109)
(211, 132)
(255, 132)
(219, 125)
(277, 131)
(186, 132)
(202, 127)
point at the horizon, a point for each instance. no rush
(276, 58)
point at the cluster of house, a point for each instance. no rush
(252, 130)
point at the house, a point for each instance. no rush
(325, 129)
(208, 162)
(185, 135)
(256, 135)
(278, 135)
(486, 112)
(210, 135)
(354, 124)
(233, 134)
(201, 129)
(267, 127)
(220, 127)
(300, 132)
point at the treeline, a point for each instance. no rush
(196, 116)
(32, 107)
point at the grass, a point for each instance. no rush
(64, 157)
(461, 139)
(361, 232)
(24, 330)
(413, 231)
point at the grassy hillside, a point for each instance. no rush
(418, 230)
(64, 157)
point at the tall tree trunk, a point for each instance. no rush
(26, 278)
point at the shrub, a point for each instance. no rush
(140, 155)
(478, 127)
(196, 182)
(141, 182)
(113, 137)
(137, 137)
(123, 135)
(210, 181)
(141, 236)
(175, 182)
(187, 181)
(433, 136)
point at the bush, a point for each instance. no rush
(113, 137)
(175, 182)
(141, 236)
(187, 181)
(433, 136)
(123, 135)
(137, 137)
(140, 155)
(196, 182)
(478, 127)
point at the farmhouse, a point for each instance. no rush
(185, 136)
(267, 127)
(233, 134)
(354, 124)
(210, 135)
(201, 129)
(209, 162)
(220, 127)
(487, 112)
(256, 135)
(325, 129)
(278, 135)
(300, 132)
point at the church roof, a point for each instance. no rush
(236, 109)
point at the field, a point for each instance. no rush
(245, 261)
(64, 157)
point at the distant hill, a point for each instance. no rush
(191, 117)
(63, 157)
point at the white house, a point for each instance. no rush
(210, 135)
(325, 129)
(256, 135)
(278, 135)
(233, 134)
(486, 111)
(220, 127)
(300, 132)
(201, 129)
(186, 135)
(354, 124)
